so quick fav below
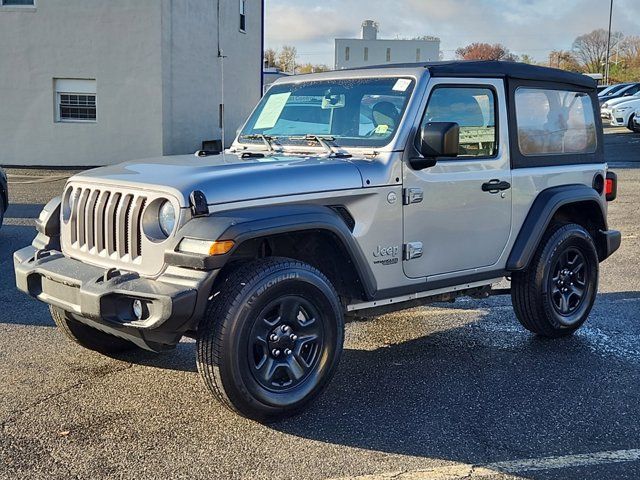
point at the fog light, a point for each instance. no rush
(138, 309)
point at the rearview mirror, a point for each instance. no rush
(437, 139)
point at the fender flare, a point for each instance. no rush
(251, 223)
(544, 207)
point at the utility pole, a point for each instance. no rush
(606, 70)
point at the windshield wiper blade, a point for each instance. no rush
(268, 140)
(325, 141)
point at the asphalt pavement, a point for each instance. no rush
(449, 391)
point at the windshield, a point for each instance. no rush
(613, 89)
(350, 113)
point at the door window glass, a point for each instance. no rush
(474, 109)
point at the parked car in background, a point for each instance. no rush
(607, 107)
(623, 113)
(4, 194)
(610, 89)
(625, 91)
(635, 122)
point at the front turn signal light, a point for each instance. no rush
(205, 247)
(221, 248)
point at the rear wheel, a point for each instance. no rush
(89, 337)
(554, 296)
(271, 338)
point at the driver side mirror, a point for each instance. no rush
(437, 139)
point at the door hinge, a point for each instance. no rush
(412, 195)
(413, 250)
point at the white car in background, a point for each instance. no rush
(606, 110)
(623, 114)
(635, 121)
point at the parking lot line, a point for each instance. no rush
(461, 470)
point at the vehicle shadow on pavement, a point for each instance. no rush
(183, 358)
(479, 393)
(23, 210)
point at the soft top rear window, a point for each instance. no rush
(555, 122)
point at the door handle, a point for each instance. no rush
(495, 186)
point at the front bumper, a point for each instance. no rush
(103, 299)
(618, 119)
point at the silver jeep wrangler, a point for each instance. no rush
(346, 194)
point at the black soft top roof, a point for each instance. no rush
(493, 69)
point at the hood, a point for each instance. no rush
(630, 102)
(618, 101)
(228, 178)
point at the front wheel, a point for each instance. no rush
(555, 295)
(271, 338)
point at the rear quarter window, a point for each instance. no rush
(555, 122)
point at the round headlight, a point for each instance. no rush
(167, 218)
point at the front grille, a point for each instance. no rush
(106, 223)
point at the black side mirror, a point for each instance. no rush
(437, 139)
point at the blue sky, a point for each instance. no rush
(534, 27)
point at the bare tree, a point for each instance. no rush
(270, 58)
(525, 58)
(311, 68)
(287, 59)
(630, 51)
(485, 51)
(591, 49)
(564, 60)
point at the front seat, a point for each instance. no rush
(384, 114)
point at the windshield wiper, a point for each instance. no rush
(268, 140)
(327, 142)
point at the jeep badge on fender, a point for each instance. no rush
(345, 193)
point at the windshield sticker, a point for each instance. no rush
(401, 85)
(272, 111)
(381, 129)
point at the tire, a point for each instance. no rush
(88, 337)
(546, 297)
(271, 338)
(630, 123)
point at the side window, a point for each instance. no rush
(552, 122)
(632, 90)
(474, 109)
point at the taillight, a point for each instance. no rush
(611, 186)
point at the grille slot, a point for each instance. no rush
(107, 223)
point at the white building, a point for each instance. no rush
(370, 50)
(94, 82)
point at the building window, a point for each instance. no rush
(366, 54)
(347, 54)
(418, 55)
(75, 100)
(243, 16)
(388, 54)
(17, 3)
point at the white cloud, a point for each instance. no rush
(525, 26)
